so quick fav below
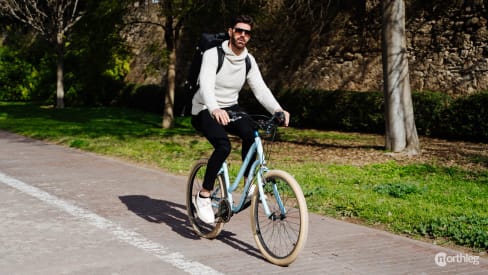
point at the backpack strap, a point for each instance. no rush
(248, 64)
(221, 55)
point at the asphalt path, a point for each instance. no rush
(64, 211)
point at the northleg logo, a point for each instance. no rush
(442, 259)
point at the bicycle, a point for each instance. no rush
(279, 215)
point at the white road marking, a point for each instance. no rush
(133, 238)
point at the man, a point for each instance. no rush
(219, 93)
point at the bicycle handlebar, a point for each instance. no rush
(266, 123)
(279, 117)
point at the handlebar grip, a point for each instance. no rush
(279, 118)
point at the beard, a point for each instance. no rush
(239, 43)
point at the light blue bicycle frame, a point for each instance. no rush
(257, 146)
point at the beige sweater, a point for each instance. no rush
(222, 89)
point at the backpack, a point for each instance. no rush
(207, 41)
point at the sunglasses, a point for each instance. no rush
(242, 31)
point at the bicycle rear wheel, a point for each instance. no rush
(194, 185)
(280, 237)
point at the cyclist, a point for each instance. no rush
(219, 93)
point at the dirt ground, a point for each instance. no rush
(468, 155)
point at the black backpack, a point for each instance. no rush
(207, 41)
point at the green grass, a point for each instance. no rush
(417, 199)
(446, 204)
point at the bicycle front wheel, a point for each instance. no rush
(195, 181)
(281, 236)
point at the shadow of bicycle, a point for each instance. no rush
(174, 215)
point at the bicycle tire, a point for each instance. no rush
(281, 237)
(195, 181)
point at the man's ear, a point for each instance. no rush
(229, 31)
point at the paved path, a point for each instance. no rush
(63, 211)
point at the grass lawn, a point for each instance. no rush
(434, 197)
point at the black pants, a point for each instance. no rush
(218, 137)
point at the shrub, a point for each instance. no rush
(18, 78)
(467, 118)
(334, 110)
(436, 114)
(429, 111)
(145, 97)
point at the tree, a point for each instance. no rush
(172, 29)
(401, 132)
(173, 16)
(98, 58)
(52, 19)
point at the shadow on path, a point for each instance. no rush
(174, 215)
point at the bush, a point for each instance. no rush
(334, 110)
(361, 111)
(436, 114)
(144, 97)
(18, 78)
(467, 118)
(429, 111)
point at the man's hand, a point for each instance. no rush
(287, 117)
(221, 116)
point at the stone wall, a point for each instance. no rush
(450, 54)
(448, 51)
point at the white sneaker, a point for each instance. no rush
(204, 209)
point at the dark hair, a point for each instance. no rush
(242, 19)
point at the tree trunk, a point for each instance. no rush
(59, 72)
(169, 98)
(401, 132)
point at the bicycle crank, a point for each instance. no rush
(225, 211)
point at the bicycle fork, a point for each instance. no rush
(277, 197)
